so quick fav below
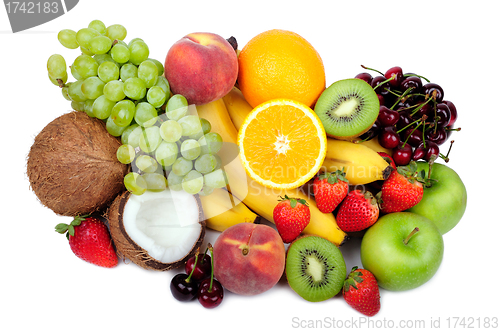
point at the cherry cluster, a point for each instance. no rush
(198, 281)
(414, 119)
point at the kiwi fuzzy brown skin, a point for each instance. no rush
(72, 165)
(126, 247)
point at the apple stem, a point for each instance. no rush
(413, 232)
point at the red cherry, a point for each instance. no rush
(397, 74)
(402, 154)
(365, 77)
(453, 112)
(419, 153)
(432, 149)
(202, 269)
(389, 138)
(387, 117)
(210, 295)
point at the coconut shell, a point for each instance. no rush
(127, 248)
(72, 165)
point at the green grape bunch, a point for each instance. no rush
(166, 144)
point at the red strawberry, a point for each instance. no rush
(89, 240)
(329, 190)
(358, 211)
(291, 216)
(402, 190)
(361, 291)
(388, 158)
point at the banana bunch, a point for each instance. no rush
(222, 210)
(260, 199)
(361, 161)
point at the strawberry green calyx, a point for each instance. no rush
(69, 229)
(333, 177)
(293, 201)
(353, 279)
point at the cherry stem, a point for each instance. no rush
(188, 279)
(419, 107)
(364, 67)
(409, 125)
(409, 75)
(407, 91)
(446, 158)
(413, 232)
(383, 82)
(211, 263)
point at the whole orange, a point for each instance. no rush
(280, 64)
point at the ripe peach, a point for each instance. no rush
(202, 67)
(249, 258)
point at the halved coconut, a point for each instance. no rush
(157, 230)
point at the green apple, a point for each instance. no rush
(403, 250)
(445, 201)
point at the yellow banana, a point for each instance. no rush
(362, 164)
(260, 199)
(375, 146)
(222, 210)
(237, 107)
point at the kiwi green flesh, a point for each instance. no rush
(347, 108)
(315, 268)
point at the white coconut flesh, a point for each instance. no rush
(165, 224)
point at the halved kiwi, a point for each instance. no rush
(347, 108)
(315, 268)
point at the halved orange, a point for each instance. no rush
(282, 144)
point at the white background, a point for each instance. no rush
(456, 45)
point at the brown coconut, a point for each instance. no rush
(72, 165)
(127, 248)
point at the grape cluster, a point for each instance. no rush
(163, 139)
(414, 119)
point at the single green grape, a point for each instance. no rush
(113, 90)
(59, 81)
(120, 53)
(102, 107)
(92, 87)
(87, 107)
(75, 91)
(190, 149)
(177, 107)
(77, 105)
(159, 65)
(206, 190)
(155, 182)
(134, 137)
(148, 72)
(114, 129)
(205, 163)
(205, 128)
(166, 153)
(126, 133)
(174, 181)
(192, 182)
(182, 166)
(83, 37)
(85, 66)
(86, 51)
(146, 163)
(56, 66)
(133, 40)
(216, 179)
(64, 91)
(150, 139)
(75, 74)
(139, 51)
(100, 45)
(171, 131)
(98, 26)
(210, 143)
(163, 83)
(156, 96)
(134, 88)
(135, 183)
(108, 71)
(123, 113)
(190, 124)
(125, 154)
(67, 38)
(145, 114)
(116, 31)
(127, 71)
(100, 58)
